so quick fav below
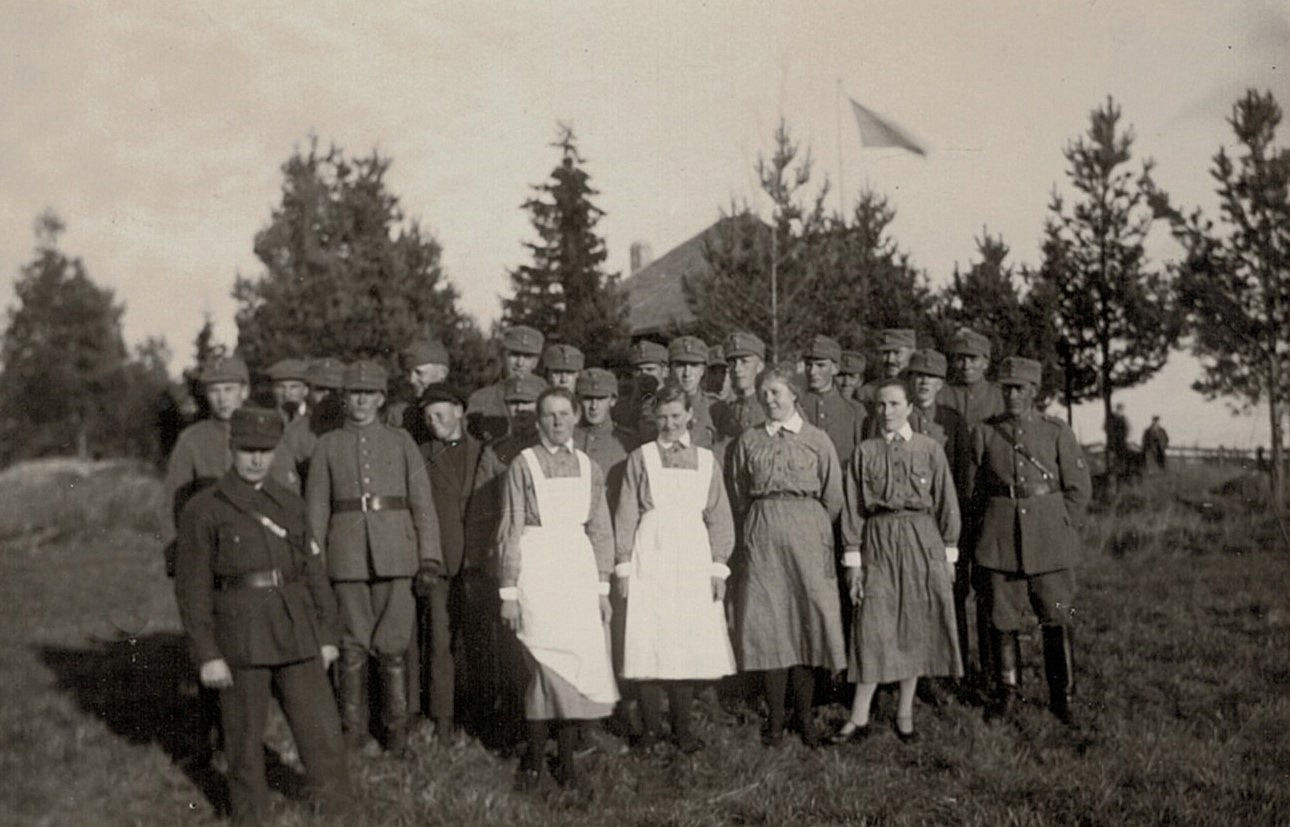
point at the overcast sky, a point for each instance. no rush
(157, 131)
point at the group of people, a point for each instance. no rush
(564, 543)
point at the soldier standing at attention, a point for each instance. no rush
(289, 388)
(851, 373)
(687, 360)
(716, 379)
(745, 359)
(823, 405)
(487, 416)
(562, 364)
(597, 435)
(895, 346)
(255, 603)
(974, 397)
(649, 370)
(326, 413)
(369, 498)
(1030, 488)
(426, 362)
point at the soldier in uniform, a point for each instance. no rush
(649, 370)
(369, 498)
(562, 364)
(487, 416)
(687, 360)
(255, 603)
(823, 405)
(426, 362)
(326, 413)
(1155, 445)
(895, 346)
(289, 387)
(851, 373)
(969, 393)
(597, 435)
(716, 379)
(1030, 487)
(745, 359)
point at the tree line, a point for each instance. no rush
(345, 272)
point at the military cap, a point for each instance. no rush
(441, 392)
(716, 357)
(287, 369)
(688, 349)
(646, 352)
(326, 373)
(928, 362)
(522, 339)
(523, 389)
(968, 342)
(424, 352)
(853, 361)
(894, 338)
(365, 375)
(596, 383)
(225, 369)
(744, 344)
(563, 358)
(1018, 371)
(822, 347)
(254, 429)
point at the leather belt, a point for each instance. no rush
(787, 495)
(267, 579)
(1020, 492)
(367, 502)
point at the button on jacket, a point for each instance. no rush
(219, 537)
(373, 460)
(1027, 534)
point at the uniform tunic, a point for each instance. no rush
(901, 513)
(840, 419)
(294, 450)
(608, 446)
(487, 417)
(787, 491)
(976, 402)
(201, 457)
(702, 428)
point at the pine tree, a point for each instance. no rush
(566, 292)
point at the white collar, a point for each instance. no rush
(906, 432)
(793, 425)
(551, 447)
(683, 441)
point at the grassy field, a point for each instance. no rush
(1183, 664)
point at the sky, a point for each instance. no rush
(157, 131)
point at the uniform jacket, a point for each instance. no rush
(252, 626)
(485, 509)
(380, 461)
(451, 491)
(840, 419)
(200, 457)
(1032, 534)
(976, 402)
(608, 446)
(487, 417)
(955, 437)
(702, 428)
(291, 459)
(408, 416)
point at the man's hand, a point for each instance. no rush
(511, 614)
(718, 589)
(621, 586)
(215, 674)
(606, 610)
(855, 584)
(427, 579)
(329, 655)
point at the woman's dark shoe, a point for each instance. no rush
(907, 734)
(851, 733)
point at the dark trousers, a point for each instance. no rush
(305, 695)
(436, 634)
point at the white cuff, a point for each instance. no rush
(602, 588)
(951, 554)
(720, 570)
(509, 593)
(851, 559)
(623, 570)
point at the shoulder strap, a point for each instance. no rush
(1021, 449)
(269, 525)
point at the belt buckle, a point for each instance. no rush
(366, 503)
(1012, 491)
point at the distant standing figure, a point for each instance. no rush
(1117, 443)
(1155, 443)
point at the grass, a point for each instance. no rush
(1183, 630)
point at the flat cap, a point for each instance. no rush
(424, 352)
(968, 342)
(285, 370)
(441, 392)
(564, 358)
(326, 373)
(894, 338)
(646, 352)
(523, 389)
(927, 362)
(596, 383)
(822, 347)
(744, 344)
(1016, 370)
(523, 339)
(225, 369)
(716, 357)
(853, 361)
(254, 429)
(688, 349)
(365, 375)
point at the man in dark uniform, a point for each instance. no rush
(426, 362)
(1117, 446)
(290, 388)
(716, 379)
(596, 434)
(562, 364)
(452, 461)
(1030, 486)
(261, 618)
(687, 360)
(895, 346)
(649, 369)
(369, 498)
(326, 413)
(1155, 443)
(823, 405)
(487, 416)
(974, 397)
(851, 374)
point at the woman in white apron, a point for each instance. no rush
(674, 534)
(556, 553)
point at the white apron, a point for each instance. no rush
(674, 629)
(560, 621)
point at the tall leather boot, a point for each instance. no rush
(351, 679)
(394, 703)
(1004, 648)
(1059, 669)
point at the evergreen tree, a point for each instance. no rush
(565, 292)
(346, 275)
(1114, 314)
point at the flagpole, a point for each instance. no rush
(842, 180)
